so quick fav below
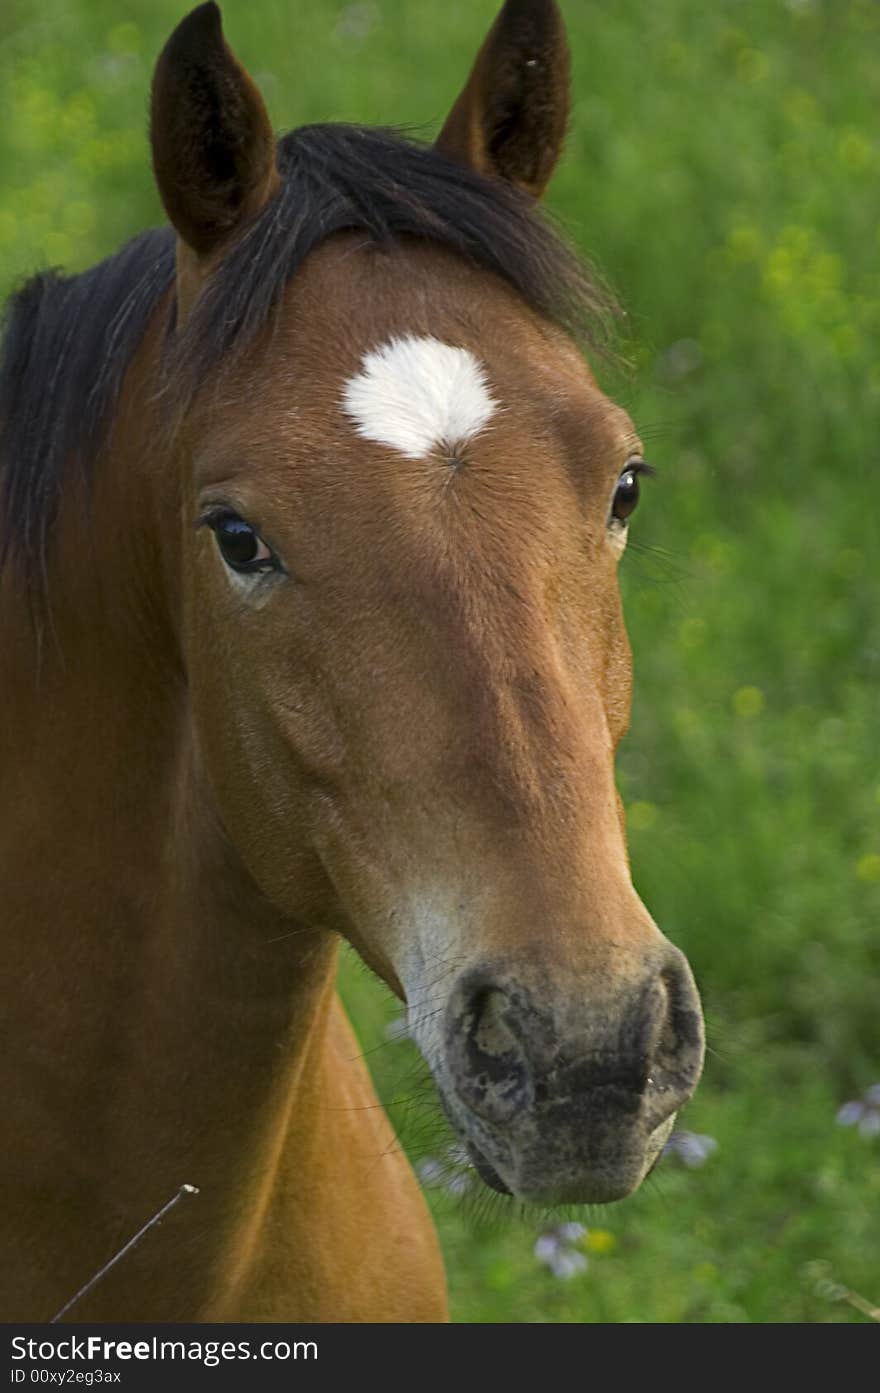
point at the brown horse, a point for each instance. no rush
(311, 514)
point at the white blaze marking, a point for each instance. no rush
(418, 394)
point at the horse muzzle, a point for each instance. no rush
(563, 1100)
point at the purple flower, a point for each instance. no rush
(546, 1248)
(568, 1264)
(870, 1123)
(691, 1148)
(555, 1249)
(863, 1113)
(850, 1114)
(459, 1184)
(571, 1233)
(430, 1171)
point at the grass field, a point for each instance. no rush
(724, 170)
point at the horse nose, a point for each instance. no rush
(513, 1049)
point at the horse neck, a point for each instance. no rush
(164, 1012)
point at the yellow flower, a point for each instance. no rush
(748, 702)
(868, 869)
(598, 1242)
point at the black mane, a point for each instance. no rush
(69, 340)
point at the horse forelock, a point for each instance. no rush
(70, 341)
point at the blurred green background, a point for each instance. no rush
(723, 168)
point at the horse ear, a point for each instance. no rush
(213, 146)
(511, 118)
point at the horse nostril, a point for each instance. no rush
(492, 1073)
(677, 1057)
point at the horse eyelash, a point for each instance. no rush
(212, 513)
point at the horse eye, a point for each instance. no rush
(627, 494)
(242, 548)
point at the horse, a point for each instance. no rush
(311, 513)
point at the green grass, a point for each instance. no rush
(723, 168)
